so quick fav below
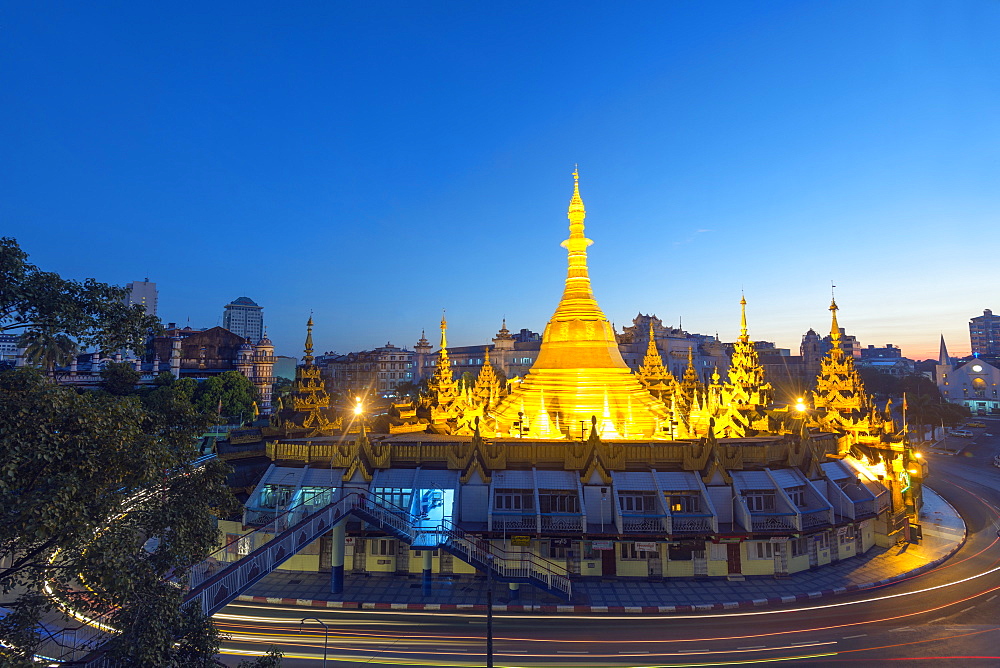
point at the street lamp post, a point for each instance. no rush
(489, 611)
(326, 633)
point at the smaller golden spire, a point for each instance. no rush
(834, 327)
(743, 319)
(308, 358)
(444, 327)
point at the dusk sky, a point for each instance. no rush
(375, 162)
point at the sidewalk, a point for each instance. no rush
(943, 534)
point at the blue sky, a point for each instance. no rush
(376, 162)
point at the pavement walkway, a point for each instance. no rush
(944, 533)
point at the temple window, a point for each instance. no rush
(683, 503)
(551, 549)
(637, 502)
(759, 500)
(629, 552)
(558, 501)
(514, 499)
(797, 495)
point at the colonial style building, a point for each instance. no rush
(381, 370)
(188, 353)
(973, 384)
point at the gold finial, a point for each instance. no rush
(743, 319)
(444, 327)
(576, 209)
(834, 327)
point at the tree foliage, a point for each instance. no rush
(229, 394)
(47, 348)
(71, 462)
(89, 312)
(119, 378)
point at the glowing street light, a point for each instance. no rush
(800, 405)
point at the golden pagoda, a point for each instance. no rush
(310, 404)
(652, 374)
(841, 402)
(742, 401)
(580, 373)
(444, 387)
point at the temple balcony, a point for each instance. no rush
(760, 505)
(536, 501)
(850, 496)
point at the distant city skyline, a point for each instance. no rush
(374, 164)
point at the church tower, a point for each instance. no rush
(503, 349)
(263, 367)
(422, 353)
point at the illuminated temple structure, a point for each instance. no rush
(606, 472)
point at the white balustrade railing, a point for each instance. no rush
(640, 523)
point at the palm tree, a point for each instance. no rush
(48, 348)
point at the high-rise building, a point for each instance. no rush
(245, 318)
(8, 347)
(142, 293)
(984, 333)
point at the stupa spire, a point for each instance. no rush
(308, 358)
(578, 297)
(743, 319)
(834, 327)
(579, 368)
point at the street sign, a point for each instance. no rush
(602, 545)
(520, 541)
(646, 547)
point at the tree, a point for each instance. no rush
(281, 389)
(228, 394)
(407, 389)
(47, 348)
(88, 312)
(70, 461)
(120, 378)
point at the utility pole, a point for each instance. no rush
(489, 611)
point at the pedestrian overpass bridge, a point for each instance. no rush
(220, 579)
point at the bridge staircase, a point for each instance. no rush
(220, 579)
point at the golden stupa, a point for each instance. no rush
(579, 374)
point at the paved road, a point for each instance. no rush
(948, 616)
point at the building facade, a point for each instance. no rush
(244, 318)
(984, 335)
(974, 384)
(381, 370)
(142, 293)
(8, 347)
